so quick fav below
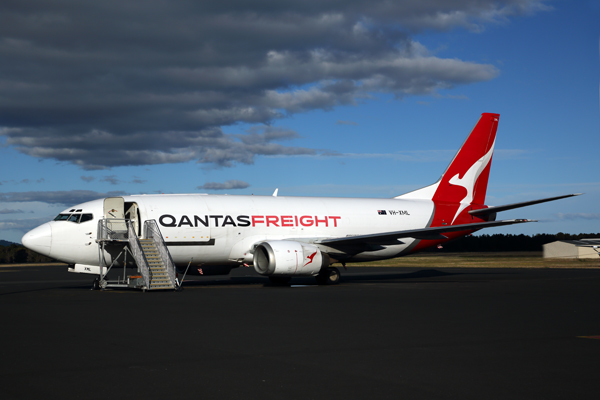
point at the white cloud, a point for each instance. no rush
(340, 122)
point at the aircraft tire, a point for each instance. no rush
(328, 276)
(96, 284)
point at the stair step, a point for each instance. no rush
(161, 283)
(159, 276)
(161, 287)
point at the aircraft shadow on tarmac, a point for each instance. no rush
(362, 277)
(354, 275)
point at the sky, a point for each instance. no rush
(316, 98)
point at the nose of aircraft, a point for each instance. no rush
(39, 239)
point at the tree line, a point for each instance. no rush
(501, 242)
(18, 254)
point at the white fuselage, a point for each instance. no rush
(222, 230)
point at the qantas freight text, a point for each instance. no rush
(194, 221)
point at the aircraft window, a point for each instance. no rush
(77, 218)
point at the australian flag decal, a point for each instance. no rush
(381, 212)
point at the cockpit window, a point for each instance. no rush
(77, 218)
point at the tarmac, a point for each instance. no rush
(382, 333)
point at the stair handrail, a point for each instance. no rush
(139, 256)
(106, 231)
(152, 231)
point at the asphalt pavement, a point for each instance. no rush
(382, 333)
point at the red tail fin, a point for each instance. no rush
(464, 182)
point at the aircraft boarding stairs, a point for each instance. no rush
(155, 267)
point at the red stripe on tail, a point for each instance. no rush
(464, 184)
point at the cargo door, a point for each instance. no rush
(114, 213)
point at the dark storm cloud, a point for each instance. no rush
(112, 179)
(10, 211)
(67, 198)
(227, 185)
(108, 83)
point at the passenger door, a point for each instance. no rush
(114, 213)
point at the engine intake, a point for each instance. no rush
(286, 257)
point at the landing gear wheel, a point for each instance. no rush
(96, 284)
(328, 276)
(280, 280)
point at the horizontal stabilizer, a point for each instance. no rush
(435, 233)
(495, 209)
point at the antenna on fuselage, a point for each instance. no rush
(275, 192)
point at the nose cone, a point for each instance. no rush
(39, 239)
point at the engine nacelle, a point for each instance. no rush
(286, 257)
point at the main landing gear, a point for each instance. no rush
(328, 276)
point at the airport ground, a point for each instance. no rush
(412, 332)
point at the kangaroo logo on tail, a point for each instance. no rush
(469, 178)
(468, 170)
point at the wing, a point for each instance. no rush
(435, 233)
(375, 241)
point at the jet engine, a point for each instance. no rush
(287, 257)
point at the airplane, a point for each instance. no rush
(280, 236)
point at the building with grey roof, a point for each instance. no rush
(584, 248)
